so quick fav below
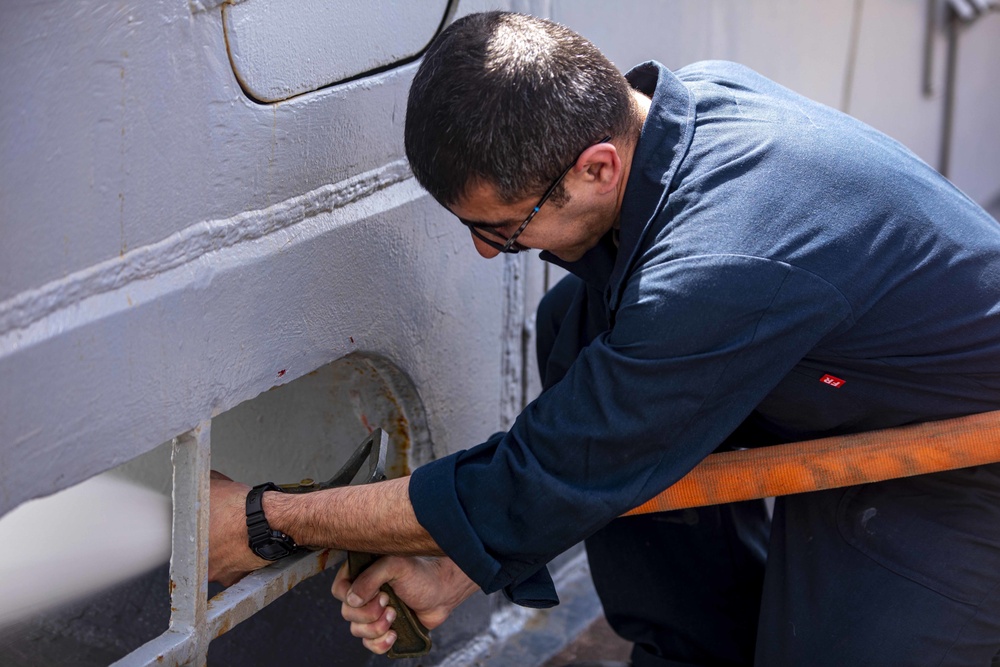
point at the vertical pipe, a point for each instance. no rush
(948, 121)
(512, 343)
(189, 556)
(852, 55)
(186, 641)
(929, 26)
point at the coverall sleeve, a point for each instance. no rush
(696, 345)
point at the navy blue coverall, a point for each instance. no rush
(781, 272)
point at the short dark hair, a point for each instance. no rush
(510, 100)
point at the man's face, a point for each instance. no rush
(567, 232)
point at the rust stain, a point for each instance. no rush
(364, 422)
(324, 557)
(351, 338)
(282, 372)
(400, 434)
(224, 628)
(173, 586)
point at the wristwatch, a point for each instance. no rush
(266, 543)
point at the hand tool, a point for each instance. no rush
(412, 638)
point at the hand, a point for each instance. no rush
(229, 555)
(432, 587)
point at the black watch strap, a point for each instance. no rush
(266, 543)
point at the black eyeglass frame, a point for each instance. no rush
(509, 245)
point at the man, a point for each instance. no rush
(749, 267)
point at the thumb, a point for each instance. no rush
(367, 584)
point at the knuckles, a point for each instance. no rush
(365, 615)
(380, 645)
(371, 630)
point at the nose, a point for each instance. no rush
(483, 248)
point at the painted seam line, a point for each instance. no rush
(187, 245)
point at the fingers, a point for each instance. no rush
(371, 619)
(380, 645)
(347, 591)
(369, 583)
(341, 583)
(362, 611)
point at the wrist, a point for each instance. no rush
(279, 508)
(265, 539)
(458, 580)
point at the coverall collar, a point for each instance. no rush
(664, 141)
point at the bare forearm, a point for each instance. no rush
(375, 518)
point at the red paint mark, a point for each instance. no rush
(280, 373)
(352, 338)
(364, 421)
(831, 380)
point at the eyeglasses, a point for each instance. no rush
(509, 244)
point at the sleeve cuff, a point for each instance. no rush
(537, 591)
(439, 511)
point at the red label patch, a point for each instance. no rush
(831, 380)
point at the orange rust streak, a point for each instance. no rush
(223, 628)
(827, 463)
(364, 422)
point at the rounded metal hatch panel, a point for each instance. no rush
(282, 49)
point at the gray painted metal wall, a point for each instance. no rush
(883, 61)
(175, 252)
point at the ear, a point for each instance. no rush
(599, 166)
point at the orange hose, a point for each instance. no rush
(826, 463)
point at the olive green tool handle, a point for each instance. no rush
(412, 638)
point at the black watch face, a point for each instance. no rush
(273, 550)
